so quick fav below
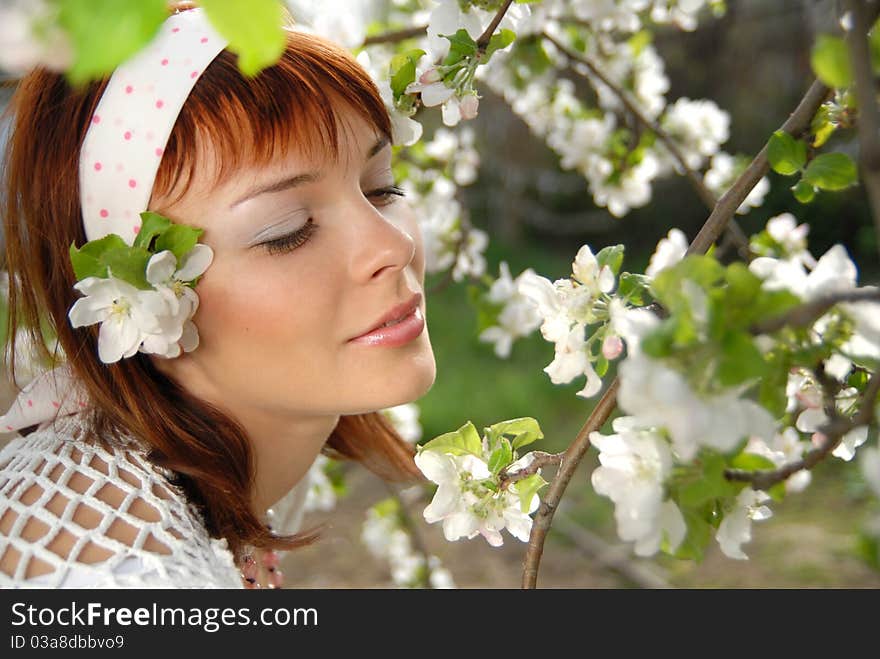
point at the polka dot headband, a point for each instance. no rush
(134, 118)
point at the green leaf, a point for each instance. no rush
(86, 265)
(740, 360)
(874, 45)
(752, 462)
(830, 61)
(461, 46)
(499, 41)
(253, 28)
(777, 492)
(631, 287)
(501, 456)
(639, 41)
(179, 239)
(612, 256)
(743, 286)
(786, 154)
(459, 442)
(822, 126)
(803, 192)
(699, 533)
(403, 70)
(129, 264)
(152, 224)
(104, 33)
(831, 171)
(658, 342)
(527, 488)
(524, 430)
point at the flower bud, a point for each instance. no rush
(612, 346)
(430, 76)
(469, 106)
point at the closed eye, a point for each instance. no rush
(385, 196)
(292, 240)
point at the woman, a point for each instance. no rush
(296, 316)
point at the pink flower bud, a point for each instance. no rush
(430, 76)
(469, 106)
(818, 439)
(612, 346)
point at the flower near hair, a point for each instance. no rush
(141, 294)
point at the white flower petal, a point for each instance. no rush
(195, 263)
(160, 267)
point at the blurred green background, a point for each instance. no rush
(754, 63)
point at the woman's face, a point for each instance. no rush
(310, 255)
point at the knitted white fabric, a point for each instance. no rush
(79, 513)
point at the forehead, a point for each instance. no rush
(318, 148)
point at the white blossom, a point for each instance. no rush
(127, 315)
(470, 261)
(869, 461)
(518, 317)
(466, 506)
(31, 36)
(343, 21)
(405, 419)
(785, 447)
(662, 397)
(635, 463)
(736, 527)
(321, 495)
(699, 128)
(813, 418)
(722, 174)
(669, 251)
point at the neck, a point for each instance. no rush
(284, 448)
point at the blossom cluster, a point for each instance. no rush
(473, 498)
(142, 294)
(387, 539)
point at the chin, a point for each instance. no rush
(406, 387)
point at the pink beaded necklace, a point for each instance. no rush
(254, 562)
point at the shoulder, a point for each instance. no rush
(79, 511)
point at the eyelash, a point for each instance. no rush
(302, 235)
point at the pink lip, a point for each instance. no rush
(410, 324)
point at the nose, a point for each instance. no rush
(381, 246)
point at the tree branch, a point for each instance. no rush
(834, 431)
(797, 123)
(703, 192)
(483, 40)
(395, 36)
(567, 466)
(806, 314)
(541, 459)
(736, 235)
(866, 97)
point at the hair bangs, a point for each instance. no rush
(292, 105)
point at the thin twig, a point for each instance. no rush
(541, 459)
(736, 236)
(834, 431)
(570, 460)
(483, 40)
(866, 97)
(395, 36)
(797, 123)
(807, 313)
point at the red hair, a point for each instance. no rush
(247, 121)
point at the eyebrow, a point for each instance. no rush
(290, 182)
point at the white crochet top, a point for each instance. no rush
(80, 513)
